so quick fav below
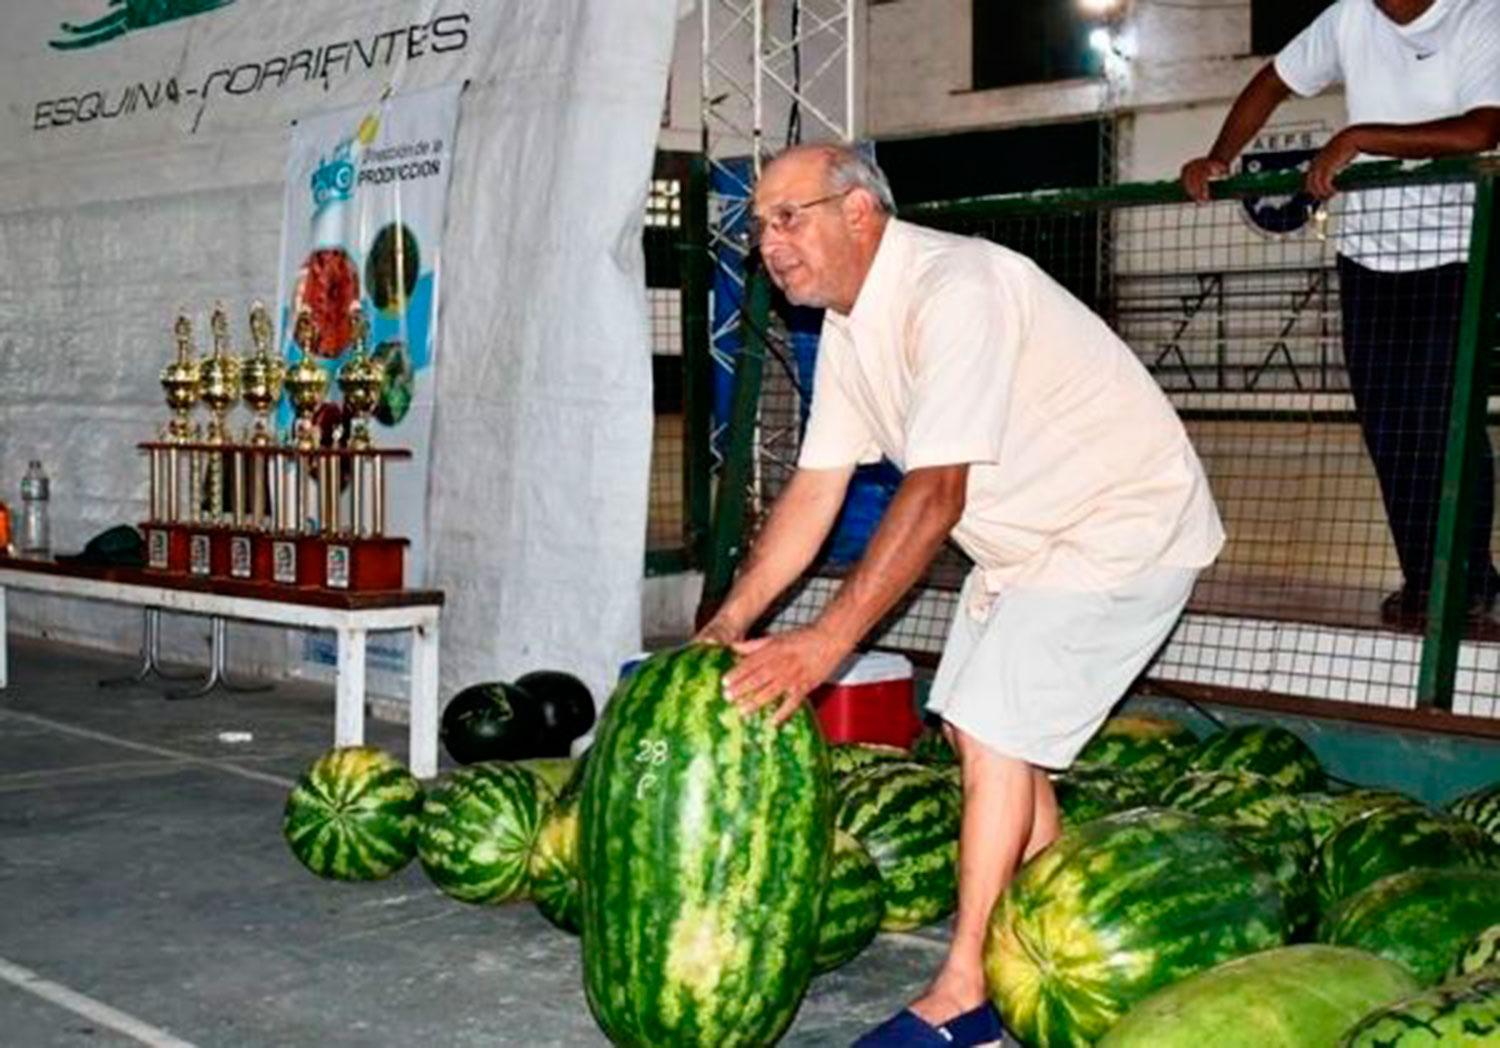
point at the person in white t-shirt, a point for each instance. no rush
(1031, 436)
(1421, 79)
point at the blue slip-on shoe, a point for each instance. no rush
(906, 1029)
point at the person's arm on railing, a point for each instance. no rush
(1265, 91)
(1476, 131)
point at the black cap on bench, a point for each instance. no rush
(120, 546)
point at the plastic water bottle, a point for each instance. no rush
(36, 537)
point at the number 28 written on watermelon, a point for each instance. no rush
(652, 752)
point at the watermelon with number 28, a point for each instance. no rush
(353, 815)
(705, 837)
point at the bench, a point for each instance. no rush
(350, 615)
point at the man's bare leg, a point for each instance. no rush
(1006, 801)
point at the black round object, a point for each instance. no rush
(496, 721)
(567, 705)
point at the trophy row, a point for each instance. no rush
(305, 509)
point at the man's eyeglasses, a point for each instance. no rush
(787, 218)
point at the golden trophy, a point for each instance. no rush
(221, 379)
(360, 382)
(261, 376)
(181, 380)
(306, 383)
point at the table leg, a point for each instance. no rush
(4, 644)
(422, 750)
(349, 688)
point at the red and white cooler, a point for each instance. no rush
(871, 698)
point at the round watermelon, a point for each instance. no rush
(564, 702)
(552, 868)
(1113, 911)
(853, 905)
(907, 817)
(1421, 918)
(1482, 808)
(495, 721)
(1264, 749)
(476, 831)
(1483, 951)
(705, 838)
(1217, 792)
(1154, 749)
(1292, 997)
(849, 757)
(1390, 840)
(1463, 1013)
(353, 815)
(1327, 812)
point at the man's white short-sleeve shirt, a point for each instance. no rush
(1442, 64)
(962, 351)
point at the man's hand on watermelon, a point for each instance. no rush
(783, 668)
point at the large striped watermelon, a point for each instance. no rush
(1327, 812)
(353, 815)
(907, 817)
(1390, 840)
(552, 869)
(933, 747)
(1483, 951)
(1421, 918)
(852, 905)
(1292, 997)
(1463, 1013)
(1115, 910)
(705, 838)
(1482, 808)
(476, 831)
(1154, 749)
(1217, 792)
(1264, 749)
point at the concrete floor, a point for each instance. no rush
(146, 895)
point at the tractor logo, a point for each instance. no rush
(127, 15)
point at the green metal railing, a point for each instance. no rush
(740, 492)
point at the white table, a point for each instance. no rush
(351, 616)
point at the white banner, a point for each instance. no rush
(145, 144)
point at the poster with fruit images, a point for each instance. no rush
(366, 197)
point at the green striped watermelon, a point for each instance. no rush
(1482, 808)
(1217, 792)
(1264, 749)
(353, 815)
(476, 831)
(849, 757)
(852, 905)
(552, 868)
(705, 838)
(1274, 830)
(907, 817)
(1292, 997)
(1483, 951)
(1155, 749)
(1327, 812)
(1113, 911)
(1390, 840)
(1463, 1013)
(1087, 792)
(1421, 918)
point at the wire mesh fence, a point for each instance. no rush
(1310, 352)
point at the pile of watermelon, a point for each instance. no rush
(1216, 891)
